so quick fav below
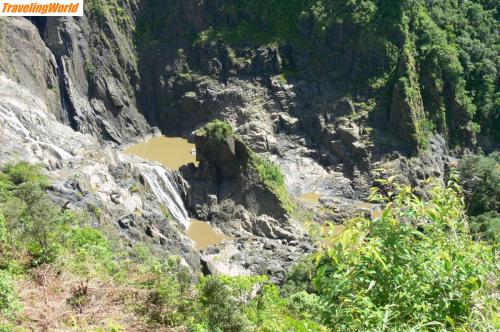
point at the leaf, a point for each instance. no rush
(372, 283)
(391, 178)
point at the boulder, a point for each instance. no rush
(349, 133)
(339, 149)
(344, 107)
(288, 123)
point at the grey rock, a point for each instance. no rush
(274, 269)
(349, 134)
(212, 200)
(288, 123)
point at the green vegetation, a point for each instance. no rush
(218, 129)
(273, 177)
(416, 267)
(134, 189)
(98, 10)
(481, 178)
(9, 303)
(269, 172)
(481, 175)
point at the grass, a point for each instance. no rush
(273, 177)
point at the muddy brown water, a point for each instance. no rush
(203, 234)
(374, 213)
(171, 152)
(311, 197)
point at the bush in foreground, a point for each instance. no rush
(414, 268)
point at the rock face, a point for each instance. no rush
(84, 69)
(407, 109)
(227, 190)
(25, 58)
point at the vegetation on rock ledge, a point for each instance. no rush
(218, 129)
(273, 177)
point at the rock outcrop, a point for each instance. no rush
(228, 190)
(228, 169)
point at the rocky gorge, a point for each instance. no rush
(75, 92)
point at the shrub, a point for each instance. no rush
(270, 312)
(414, 268)
(38, 219)
(299, 277)
(218, 129)
(9, 304)
(219, 307)
(23, 172)
(170, 301)
(481, 178)
(29, 216)
(88, 251)
(3, 232)
(5, 186)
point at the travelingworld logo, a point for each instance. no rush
(41, 8)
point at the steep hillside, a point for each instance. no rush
(424, 67)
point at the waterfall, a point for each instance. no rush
(163, 186)
(9, 118)
(63, 92)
